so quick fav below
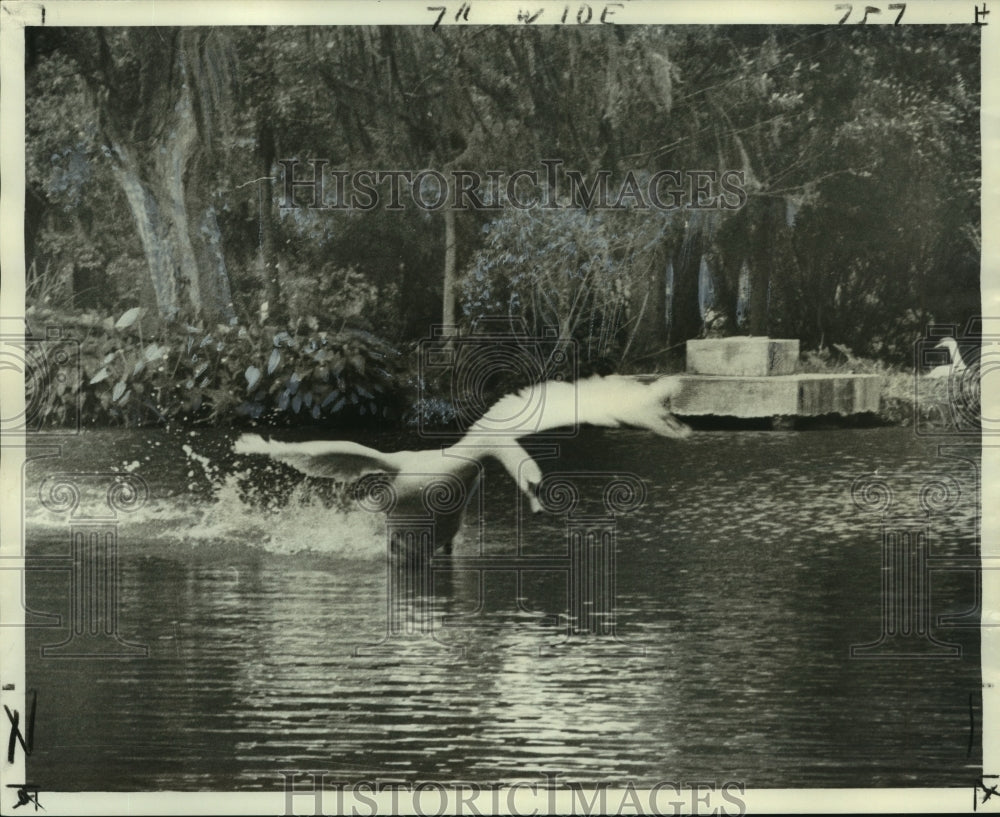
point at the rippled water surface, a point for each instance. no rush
(745, 579)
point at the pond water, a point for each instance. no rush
(742, 583)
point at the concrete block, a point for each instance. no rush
(742, 356)
(838, 394)
(801, 395)
(736, 396)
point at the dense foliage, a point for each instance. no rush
(154, 187)
(192, 374)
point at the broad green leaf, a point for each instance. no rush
(252, 375)
(129, 317)
(273, 360)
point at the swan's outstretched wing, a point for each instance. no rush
(332, 459)
(599, 401)
(618, 400)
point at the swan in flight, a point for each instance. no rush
(955, 367)
(445, 479)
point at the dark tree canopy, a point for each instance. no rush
(154, 179)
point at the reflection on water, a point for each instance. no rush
(746, 578)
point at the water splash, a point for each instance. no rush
(260, 509)
(310, 519)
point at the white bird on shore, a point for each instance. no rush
(445, 479)
(955, 367)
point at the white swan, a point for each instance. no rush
(955, 367)
(453, 472)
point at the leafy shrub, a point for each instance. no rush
(188, 373)
(584, 273)
(428, 402)
(330, 294)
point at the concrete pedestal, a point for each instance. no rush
(798, 395)
(742, 356)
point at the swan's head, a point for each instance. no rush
(670, 426)
(528, 479)
(661, 420)
(520, 465)
(957, 362)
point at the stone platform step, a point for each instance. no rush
(794, 395)
(739, 356)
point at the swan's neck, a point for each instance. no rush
(953, 352)
(513, 457)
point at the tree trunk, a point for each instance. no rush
(761, 261)
(158, 232)
(165, 182)
(266, 267)
(686, 312)
(725, 280)
(659, 319)
(448, 313)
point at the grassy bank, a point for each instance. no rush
(907, 397)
